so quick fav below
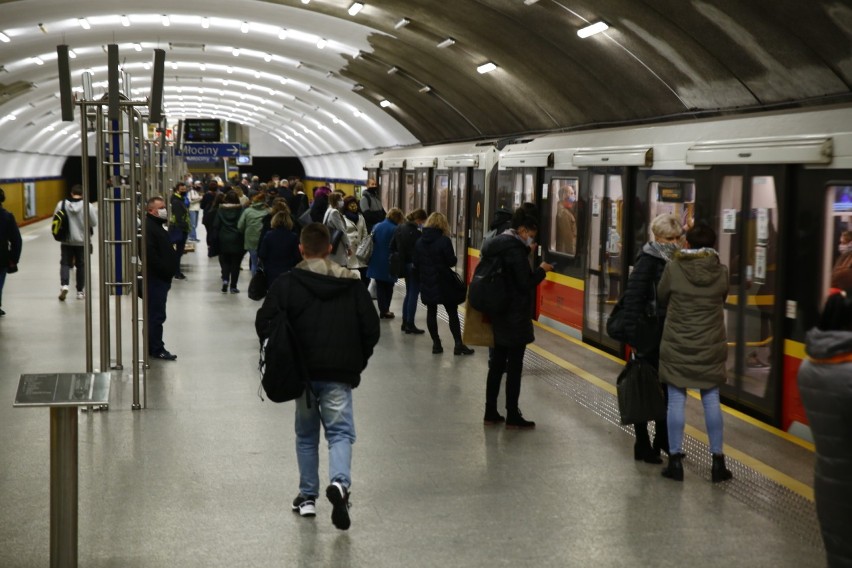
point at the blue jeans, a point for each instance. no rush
(331, 406)
(412, 294)
(677, 421)
(193, 223)
(252, 261)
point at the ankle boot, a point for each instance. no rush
(462, 349)
(414, 329)
(643, 451)
(516, 421)
(661, 442)
(674, 469)
(437, 348)
(719, 471)
(492, 416)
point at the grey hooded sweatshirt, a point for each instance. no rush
(74, 208)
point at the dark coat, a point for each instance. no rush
(379, 267)
(279, 252)
(404, 238)
(334, 319)
(372, 209)
(179, 220)
(694, 348)
(513, 327)
(640, 292)
(160, 255)
(9, 233)
(825, 383)
(433, 257)
(226, 225)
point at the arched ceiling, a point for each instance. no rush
(313, 76)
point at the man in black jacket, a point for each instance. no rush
(371, 205)
(179, 223)
(162, 263)
(316, 294)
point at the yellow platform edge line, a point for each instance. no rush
(764, 469)
(576, 341)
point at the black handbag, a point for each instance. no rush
(453, 287)
(640, 395)
(649, 328)
(258, 286)
(615, 325)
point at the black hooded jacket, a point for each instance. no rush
(513, 327)
(161, 257)
(334, 319)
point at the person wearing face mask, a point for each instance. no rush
(371, 205)
(841, 273)
(161, 261)
(333, 219)
(356, 230)
(513, 328)
(179, 223)
(639, 293)
(403, 243)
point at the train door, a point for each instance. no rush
(457, 212)
(409, 193)
(606, 263)
(476, 217)
(441, 193)
(749, 239)
(515, 186)
(421, 188)
(391, 182)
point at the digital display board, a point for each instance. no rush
(202, 130)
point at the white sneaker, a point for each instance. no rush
(63, 293)
(305, 506)
(81, 295)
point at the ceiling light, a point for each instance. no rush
(385, 103)
(84, 23)
(322, 43)
(230, 69)
(257, 74)
(244, 27)
(283, 80)
(402, 23)
(4, 38)
(125, 21)
(356, 113)
(592, 29)
(355, 8)
(146, 65)
(71, 54)
(357, 87)
(267, 57)
(425, 89)
(486, 68)
(42, 28)
(392, 70)
(203, 67)
(137, 47)
(282, 34)
(306, 1)
(166, 21)
(236, 52)
(12, 117)
(174, 65)
(447, 42)
(530, 2)
(38, 61)
(205, 22)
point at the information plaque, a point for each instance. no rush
(63, 389)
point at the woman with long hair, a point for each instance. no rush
(356, 230)
(404, 240)
(435, 259)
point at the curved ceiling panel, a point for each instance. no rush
(314, 77)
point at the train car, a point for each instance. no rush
(452, 179)
(776, 186)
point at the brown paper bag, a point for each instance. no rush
(477, 328)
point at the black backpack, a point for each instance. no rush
(488, 291)
(59, 227)
(283, 372)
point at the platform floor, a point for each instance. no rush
(204, 476)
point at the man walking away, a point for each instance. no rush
(316, 294)
(71, 249)
(162, 263)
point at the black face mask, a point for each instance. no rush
(377, 188)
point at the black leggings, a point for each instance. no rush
(432, 322)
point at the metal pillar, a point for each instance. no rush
(63, 487)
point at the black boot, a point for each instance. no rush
(643, 451)
(492, 416)
(661, 441)
(515, 421)
(414, 329)
(404, 327)
(674, 469)
(462, 349)
(437, 348)
(719, 471)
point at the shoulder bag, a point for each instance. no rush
(365, 249)
(640, 396)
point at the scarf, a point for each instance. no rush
(350, 215)
(665, 250)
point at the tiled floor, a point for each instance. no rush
(205, 475)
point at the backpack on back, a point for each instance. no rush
(283, 372)
(489, 290)
(60, 225)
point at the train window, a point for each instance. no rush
(386, 193)
(672, 197)
(442, 193)
(837, 269)
(409, 203)
(563, 215)
(422, 180)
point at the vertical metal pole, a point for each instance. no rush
(118, 228)
(104, 298)
(63, 487)
(132, 213)
(84, 154)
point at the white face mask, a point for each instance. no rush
(842, 248)
(163, 213)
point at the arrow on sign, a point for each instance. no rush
(210, 150)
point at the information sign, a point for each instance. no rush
(63, 389)
(222, 150)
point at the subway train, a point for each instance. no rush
(776, 186)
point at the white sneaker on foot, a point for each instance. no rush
(305, 506)
(63, 293)
(81, 295)
(339, 497)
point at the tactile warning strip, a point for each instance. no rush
(768, 498)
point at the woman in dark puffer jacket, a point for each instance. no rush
(825, 383)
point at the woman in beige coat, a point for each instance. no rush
(694, 348)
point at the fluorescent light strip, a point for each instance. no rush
(486, 68)
(244, 27)
(84, 23)
(447, 43)
(205, 22)
(355, 8)
(402, 23)
(125, 21)
(385, 103)
(593, 29)
(322, 43)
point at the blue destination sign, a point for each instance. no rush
(210, 150)
(200, 160)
